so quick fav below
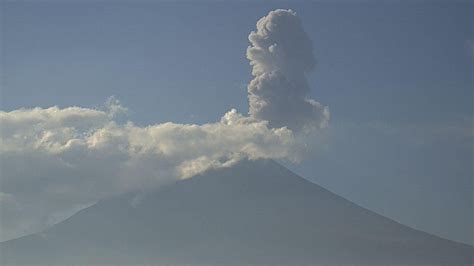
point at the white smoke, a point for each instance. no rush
(281, 54)
(56, 160)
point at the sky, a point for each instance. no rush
(397, 79)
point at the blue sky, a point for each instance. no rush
(397, 78)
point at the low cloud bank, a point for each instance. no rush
(56, 160)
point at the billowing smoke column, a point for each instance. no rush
(281, 54)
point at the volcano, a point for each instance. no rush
(253, 213)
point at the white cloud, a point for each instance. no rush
(54, 159)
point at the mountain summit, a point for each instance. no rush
(254, 213)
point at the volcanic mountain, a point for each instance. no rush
(253, 213)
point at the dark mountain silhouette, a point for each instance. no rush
(254, 213)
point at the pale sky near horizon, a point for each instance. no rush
(398, 79)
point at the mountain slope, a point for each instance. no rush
(254, 213)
